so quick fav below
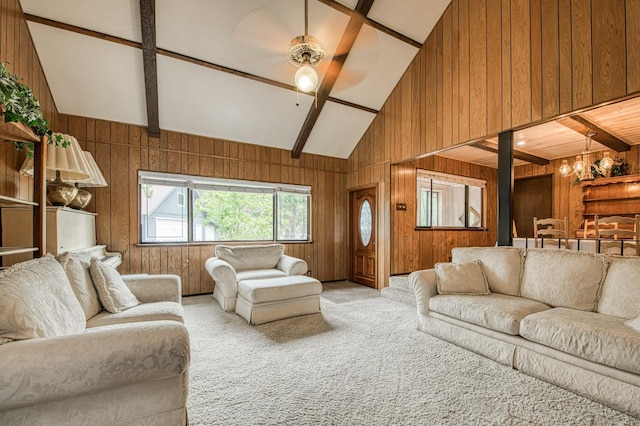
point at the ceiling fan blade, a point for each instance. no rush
(261, 32)
(367, 40)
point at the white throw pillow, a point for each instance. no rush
(634, 324)
(76, 266)
(36, 300)
(113, 292)
(461, 278)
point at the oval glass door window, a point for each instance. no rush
(365, 223)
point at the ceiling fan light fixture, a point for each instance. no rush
(305, 52)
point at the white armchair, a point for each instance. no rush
(234, 264)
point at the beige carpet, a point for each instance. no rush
(360, 362)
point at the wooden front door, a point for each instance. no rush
(362, 244)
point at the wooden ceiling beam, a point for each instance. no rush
(345, 45)
(529, 158)
(149, 58)
(582, 126)
(344, 9)
(174, 55)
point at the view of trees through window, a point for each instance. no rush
(221, 212)
(233, 216)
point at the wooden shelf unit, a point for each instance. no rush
(22, 133)
(618, 195)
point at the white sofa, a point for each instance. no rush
(567, 317)
(59, 364)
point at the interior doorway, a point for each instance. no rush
(532, 197)
(362, 236)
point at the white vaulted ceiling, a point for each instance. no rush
(94, 77)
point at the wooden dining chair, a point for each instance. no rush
(616, 234)
(589, 229)
(555, 229)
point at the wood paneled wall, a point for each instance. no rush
(420, 249)
(567, 194)
(121, 150)
(18, 52)
(493, 65)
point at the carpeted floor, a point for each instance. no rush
(360, 362)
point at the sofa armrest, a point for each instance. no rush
(41, 370)
(154, 288)
(292, 265)
(424, 287)
(223, 275)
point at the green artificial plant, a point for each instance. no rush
(19, 104)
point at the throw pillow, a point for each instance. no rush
(36, 300)
(113, 292)
(461, 278)
(634, 324)
(77, 266)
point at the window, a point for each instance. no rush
(221, 210)
(449, 201)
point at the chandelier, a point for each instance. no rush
(306, 52)
(582, 167)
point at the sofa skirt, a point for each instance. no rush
(271, 311)
(609, 386)
(147, 403)
(228, 304)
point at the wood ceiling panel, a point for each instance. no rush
(337, 130)
(120, 18)
(91, 77)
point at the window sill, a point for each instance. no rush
(217, 243)
(447, 228)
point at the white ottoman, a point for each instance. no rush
(271, 299)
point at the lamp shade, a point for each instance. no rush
(96, 180)
(70, 162)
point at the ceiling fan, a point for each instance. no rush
(264, 30)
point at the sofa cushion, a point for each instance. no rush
(589, 335)
(621, 288)
(243, 258)
(634, 324)
(36, 300)
(277, 289)
(461, 278)
(76, 266)
(113, 292)
(499, 312)
(501, 265)
(259, 274)
(154, 311)
(565, 278)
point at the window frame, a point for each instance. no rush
(454, 180)
(194, 183)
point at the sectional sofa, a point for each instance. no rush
(567, 317)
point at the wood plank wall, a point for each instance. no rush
(493, 65)
(18, 52)
(121, 150)
(567, 194)
(420, 249)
